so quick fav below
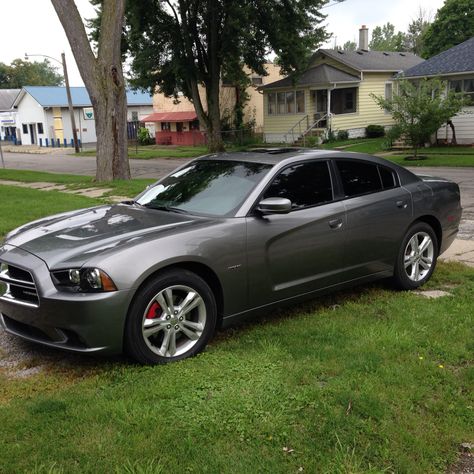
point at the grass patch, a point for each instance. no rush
(359, 145)
(156, 151)
(434, 160)
(119, 188)
(367, 380)
(20, 205)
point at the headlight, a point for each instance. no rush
(83, 280)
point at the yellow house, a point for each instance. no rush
(334, 93)
(253, 110)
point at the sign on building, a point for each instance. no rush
(88, 113)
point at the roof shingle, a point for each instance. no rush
(459, 58)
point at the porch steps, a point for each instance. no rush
(316, 132)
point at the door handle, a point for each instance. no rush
(335, 223)
(402, 204)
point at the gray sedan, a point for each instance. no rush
(222, 238)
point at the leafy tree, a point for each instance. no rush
(349, 46)
(24, 73)
(414, 38)
(420, 108)
(384, 38)
(102, 74)
(177, 45)
(453, 24)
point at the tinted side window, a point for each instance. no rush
(388, 178)
(359, 177)
(306, 184)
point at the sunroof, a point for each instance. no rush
(275, 151)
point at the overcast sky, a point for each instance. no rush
(32, 26)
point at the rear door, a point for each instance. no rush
(301, 251)
(378, 212)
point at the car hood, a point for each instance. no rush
(75, 237)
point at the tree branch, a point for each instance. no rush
(73, 25)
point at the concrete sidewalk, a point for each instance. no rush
(460, 251)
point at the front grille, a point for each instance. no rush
(17, 285)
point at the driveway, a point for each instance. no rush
(85, 165)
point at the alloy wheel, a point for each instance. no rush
(418, 256)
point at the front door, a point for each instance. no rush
(33, 133)
(301, 251)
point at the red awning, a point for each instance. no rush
(171, 117)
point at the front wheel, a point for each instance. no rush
(417, 257)
(172, 318)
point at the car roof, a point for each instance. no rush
(288, 155)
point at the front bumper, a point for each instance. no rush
(86, 322)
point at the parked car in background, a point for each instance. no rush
(226, 236)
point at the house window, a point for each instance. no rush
(40, 128)
(466, 86)
(300, 102)
(257, 81)
(194, 125)
(469, 90)
(271, 104)
(344, 101)
(25, 128)
(134, 116)
(165, 126)
(281, 102)
(291, 102)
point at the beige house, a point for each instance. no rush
(334, 93)
(253, 108)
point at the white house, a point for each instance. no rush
(43, 114)
(455, 65)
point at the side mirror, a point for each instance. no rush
(274, 205)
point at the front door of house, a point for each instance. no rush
(33, 133)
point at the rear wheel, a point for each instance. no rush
(172, 317)
(417, 257)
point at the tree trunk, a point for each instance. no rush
(453, 130)
(103, 77)
(214, 135)
(110, 120)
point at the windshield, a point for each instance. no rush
(213, 188)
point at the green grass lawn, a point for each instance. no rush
(118, 188)
(359, 145)
(368, 380)
(157, 151)
(454, 160)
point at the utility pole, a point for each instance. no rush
(1, 153)
(69, 101)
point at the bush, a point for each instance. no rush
(342, 134)
(375, 131)
(144, 137)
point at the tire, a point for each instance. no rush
(416, 258)
(172, 317)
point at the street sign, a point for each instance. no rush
(88, 113)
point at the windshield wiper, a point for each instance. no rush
(131, 202)
(165, 208)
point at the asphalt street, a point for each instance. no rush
(156, 168)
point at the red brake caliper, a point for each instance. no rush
(154, 311)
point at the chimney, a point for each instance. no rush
(364, 38)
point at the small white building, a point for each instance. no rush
(42, 114)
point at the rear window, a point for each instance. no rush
(358, 177)
(389, 180)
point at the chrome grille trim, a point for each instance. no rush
(15, 288)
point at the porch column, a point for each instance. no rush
(329, 103)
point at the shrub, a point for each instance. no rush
(144, 137)
(375, 131)
(342, 134)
